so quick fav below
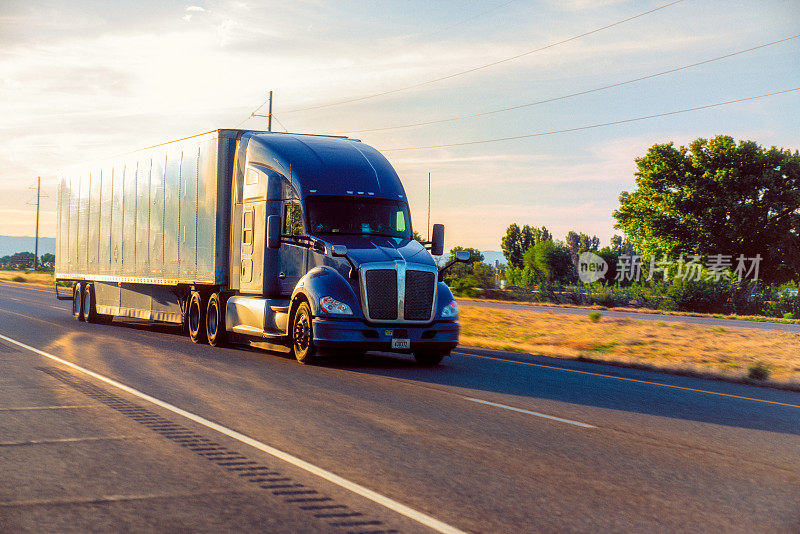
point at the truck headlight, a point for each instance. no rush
(451, 310)
(331, 305)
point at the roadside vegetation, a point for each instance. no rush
(712, 228)
(730, 353)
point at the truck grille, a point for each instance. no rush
(398, 294)
(419, 295)
(382, 293)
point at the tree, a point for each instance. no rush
(551, 261)
(580, 243)
(517, 241)
(717, 197)
(621, 246)
(416, 237)
(48, 259)
(21, 260)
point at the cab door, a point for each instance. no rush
(292, 254)
(252, 235)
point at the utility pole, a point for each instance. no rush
(429, 206)
(269, 116)
(269, 120)
(36, 246)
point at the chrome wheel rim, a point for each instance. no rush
(302, 333)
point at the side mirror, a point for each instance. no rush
(437, 240)
(462, 256)
(274, 231)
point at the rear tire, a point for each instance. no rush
(77, 302)
(302, 335)
(89, 308)
(430, 359)
(215, 321)
(195, 318)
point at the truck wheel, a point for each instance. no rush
(302, 337)
(77, 302)
(196, 318)
(429, 358)
(215, 321)
(89, 310)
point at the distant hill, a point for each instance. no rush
(13, 244)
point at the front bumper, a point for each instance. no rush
(358, 335)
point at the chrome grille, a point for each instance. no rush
(419, 295)
(382, 293)
(393, 292)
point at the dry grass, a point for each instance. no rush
(710, 350)
(32, 278)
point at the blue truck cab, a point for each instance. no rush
(322, 243)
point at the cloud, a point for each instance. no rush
(196, 9)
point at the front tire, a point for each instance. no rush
(195, 318)
(215, 321)
(77, 302)
(302, 335)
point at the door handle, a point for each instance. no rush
(282, 276)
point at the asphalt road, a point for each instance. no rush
(190, 437)
(710, 321)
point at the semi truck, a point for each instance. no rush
(291, 242)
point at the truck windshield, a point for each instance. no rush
(356, 216)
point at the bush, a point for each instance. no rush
(19, 279)
(595, 316)
(788, 315)
(758, 371)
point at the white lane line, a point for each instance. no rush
(537, 414)
(12, 298)
(58, 307)
(387, 502)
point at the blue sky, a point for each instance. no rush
(83, 80)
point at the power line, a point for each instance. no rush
(589, 127)
(570, 95)
(487, 65)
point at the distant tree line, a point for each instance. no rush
(25, 260)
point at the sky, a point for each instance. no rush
(82, 80)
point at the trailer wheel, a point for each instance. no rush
(89, 309)
(302, 336)
(215, 321)
(429, 359)
(77, 302)
(196, 318)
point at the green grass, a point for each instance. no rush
(595, 316)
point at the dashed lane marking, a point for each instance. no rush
(529, 412)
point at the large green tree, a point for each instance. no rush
(517, 240)
(717, 197)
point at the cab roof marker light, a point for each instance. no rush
(370, 193)
(360, 192)
(349, 192)
(312, 190)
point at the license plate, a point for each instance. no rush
(401, 343)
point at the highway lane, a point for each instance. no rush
(481, 444)
(565, 310)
